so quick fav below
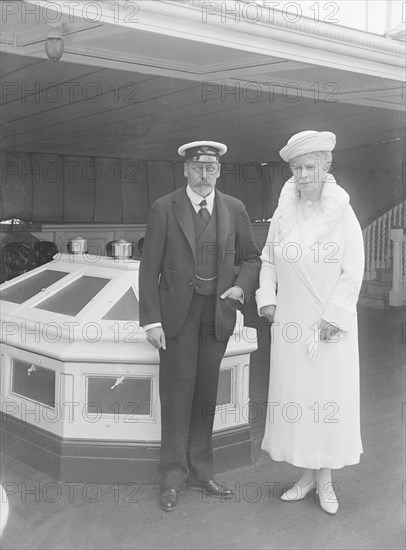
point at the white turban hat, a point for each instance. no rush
(307, 142)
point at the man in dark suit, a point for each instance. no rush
(199, 262)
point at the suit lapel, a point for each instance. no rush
(223, 225)
(183, 213)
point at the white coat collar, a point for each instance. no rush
(333, 202)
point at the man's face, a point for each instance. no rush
(202, 176)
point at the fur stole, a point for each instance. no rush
(333, 203)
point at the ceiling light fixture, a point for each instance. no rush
(54, 44)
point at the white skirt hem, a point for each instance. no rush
(335, 464)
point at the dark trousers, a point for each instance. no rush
(188, 379)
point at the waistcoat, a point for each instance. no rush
(206, 253)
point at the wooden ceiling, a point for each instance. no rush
(141, 95)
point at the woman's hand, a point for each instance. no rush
(268, 312)
(327, 330)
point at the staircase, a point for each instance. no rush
(375, 293)
(384, 282)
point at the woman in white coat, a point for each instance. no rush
(311, 275)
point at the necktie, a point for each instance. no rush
(204, 214)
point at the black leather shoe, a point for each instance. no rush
(212, 489)
(169, 500)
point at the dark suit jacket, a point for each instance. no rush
(167, 270)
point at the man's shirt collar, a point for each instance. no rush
(196, 199)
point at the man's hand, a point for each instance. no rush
(234, 292)
(156, 337)
(268, 312)
(327, 330)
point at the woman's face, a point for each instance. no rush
(309, 174)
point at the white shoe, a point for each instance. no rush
(297, 492)
(328, 500)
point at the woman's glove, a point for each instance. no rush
(326, 332)
(312, 345)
